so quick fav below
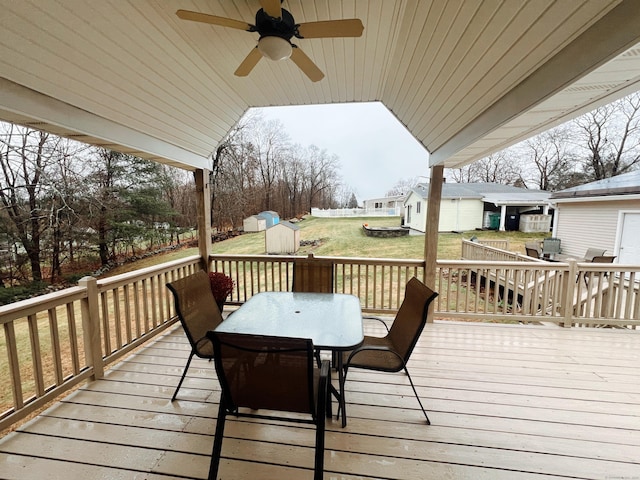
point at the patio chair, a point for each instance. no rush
(311, 275)
(271, 373)
(198, 313)
(391, 352)
(533, 249)
(599, 259)
(591, 253)
(550, 246)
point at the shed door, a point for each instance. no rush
(629, 247)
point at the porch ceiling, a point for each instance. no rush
(467, 78)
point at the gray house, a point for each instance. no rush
(603, 214)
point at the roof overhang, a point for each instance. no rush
(466, 78)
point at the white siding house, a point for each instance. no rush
(282, 238)
(467, 206)
(603, 214)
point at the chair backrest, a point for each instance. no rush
(265, 372)
(411, 317)
(592, 253)
(532, 249)
(603, 259)
(197, 310)
(311, 275)
(551, 246)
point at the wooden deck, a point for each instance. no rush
(506, 402)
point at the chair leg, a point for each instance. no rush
(323, 396)
(217, 442)
(184, 373)
(417, 397)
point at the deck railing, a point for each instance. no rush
(54, 341)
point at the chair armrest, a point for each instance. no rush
(323, 385)
(378, 319)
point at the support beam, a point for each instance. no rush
(431, 228)
(203, 193)
(503, 218)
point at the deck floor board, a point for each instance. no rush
(506, 402)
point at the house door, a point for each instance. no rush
(628, 245)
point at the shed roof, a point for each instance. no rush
(625, 184)
(466, 77)
(285, 224)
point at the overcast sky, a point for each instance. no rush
(374, 149)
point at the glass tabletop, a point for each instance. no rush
(333, 321)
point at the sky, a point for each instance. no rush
(374, 149)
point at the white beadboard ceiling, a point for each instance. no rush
(466, 77)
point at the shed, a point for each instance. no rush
(282, 238)
(603, 214)
(254, 223)
(272, 218)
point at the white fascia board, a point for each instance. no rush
(28, 103)
(600, 198)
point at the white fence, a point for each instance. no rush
(357, 212)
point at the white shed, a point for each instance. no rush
(603, 214)
(282, 238)
(254, 223)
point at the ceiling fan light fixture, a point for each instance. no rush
(275, 48)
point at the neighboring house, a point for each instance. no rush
(393, 205)
(603, 214)
(283, 238)
(254, 223)
(468, 206)
(271, 218)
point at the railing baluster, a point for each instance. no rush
(36, 354)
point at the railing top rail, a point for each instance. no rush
(31, 306)
(505, 263)
(339, 260)
(129, 277)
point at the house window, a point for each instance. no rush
(377, 205)
(418, 204)
(408, 213)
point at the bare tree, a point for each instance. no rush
(609, 138)
(499, 167)
(550, 156)
(24, 156)
(403, 186)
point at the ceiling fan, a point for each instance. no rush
(277, 27)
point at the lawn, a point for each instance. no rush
(343, 237)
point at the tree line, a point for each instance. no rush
(600, 144)
(66, 203)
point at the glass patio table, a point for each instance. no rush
(333, 321)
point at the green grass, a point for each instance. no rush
(344, 237)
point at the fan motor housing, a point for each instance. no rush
(267, 26)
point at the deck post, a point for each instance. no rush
(569, 303)
(203, 202)
(91, 327)
(431, 228)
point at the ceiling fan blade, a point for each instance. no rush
(351, 27)
(248, 63)
(271, 8)
(213, 20)
(305, 64)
